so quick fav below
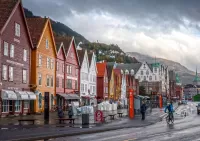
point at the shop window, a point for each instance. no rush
(5, 106)
(17, 106)
(69, 84)
(26, 104)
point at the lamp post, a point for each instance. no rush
(150, 99)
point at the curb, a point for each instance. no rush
(47, 136)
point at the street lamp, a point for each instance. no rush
(150, 99)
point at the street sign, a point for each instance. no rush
(99, 116)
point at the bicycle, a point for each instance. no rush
(169, 118)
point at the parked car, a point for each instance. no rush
(198, 109)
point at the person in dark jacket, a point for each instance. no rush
(70, 112)
(60, 112)
(143, 110)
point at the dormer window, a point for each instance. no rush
(47, 43)
(144, 66)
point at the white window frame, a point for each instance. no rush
(25, 55)
(70, 69)
(40, 60)
(17, 29)
(5, 49)
(4, 72)
(57, 66)
(26, 104)
(10, 72)
(12, 48)
(5, 103)
(39, 79)
(24, 76)
(17, 106)
(47, 43)
(47, 81)
(52, 63)
(48, 62)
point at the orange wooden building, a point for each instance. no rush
(43, 58)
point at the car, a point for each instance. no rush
(184, 102)
(198, 109)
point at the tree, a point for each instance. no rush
(142, 90)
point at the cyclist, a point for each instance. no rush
(170, 109)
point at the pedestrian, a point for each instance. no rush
(60, 112)
(143, 110)
(70, 112)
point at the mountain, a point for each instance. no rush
(185, 74)
(60, 28)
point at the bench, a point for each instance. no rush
(23, 120)
(63, 119)
(112, 117)
(120, 114)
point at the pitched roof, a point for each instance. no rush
(101, 68)
(81, 54)
(66, 41)
(134, 66)
(6, 8)
(36, 26)
(110, 68)
(90, 57)
(58, 43)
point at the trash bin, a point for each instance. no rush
(85, 119)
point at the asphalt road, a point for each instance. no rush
(184, 129)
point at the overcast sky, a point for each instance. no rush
(164, 28)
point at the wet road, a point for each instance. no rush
(184, 129)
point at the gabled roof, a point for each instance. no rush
(134, 66)
(6, 9)
(67, 40)
(36, 26)
(81, 54)
(90, 54)
(110, 68)
(60, 45)
(101, 68)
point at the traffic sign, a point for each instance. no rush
(99, 116)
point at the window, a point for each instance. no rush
(47, 43)
(17, 29)
(25, 55)
(85, 87)
(40, 60)
(5, 106)
(76, 72)
(40, 100)
(4, 72)
(5, 51)
(70, 69)
(51, 81)
(57, 82)
(155, 78)
(63, 68)
(155, 70)
(76, 85)
(67, 69)
(26, 104)
(10, 73)
(17, 106)
(82, 87)
(147, 73)
(11, 51)
(51, 63)
(63, 83)
(144, 66)
(39, 79)
(106, 89)
(150, 78)
(145, 78)
(48, 63)
(48, 81)
(141, 72)
(24, 76)
(57, 66)
(69, 83)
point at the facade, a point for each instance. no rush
(84, 77)
(102, 81)
(92, 85)
(117, 84)
(15, 51)
(111, 79)
(189, 91)
(43, 60)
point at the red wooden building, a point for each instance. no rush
(68, 71)
(102, 81)
(15, 50)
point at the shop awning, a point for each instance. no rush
(8, 95)
(22, 95)
(32, 96)
(70, 96)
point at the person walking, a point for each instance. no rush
(60, 112)
(70, 112)
(143, 110)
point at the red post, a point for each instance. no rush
(131, 103)
(160, 101)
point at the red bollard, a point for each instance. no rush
(131, 103)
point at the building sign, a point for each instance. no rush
(16, 40)
(99, 116)
(73, 78)
(60, 75)
(14, 63)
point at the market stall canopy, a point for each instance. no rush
(70, 96)
(8, 95)
(22, 95)
(31, 95)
